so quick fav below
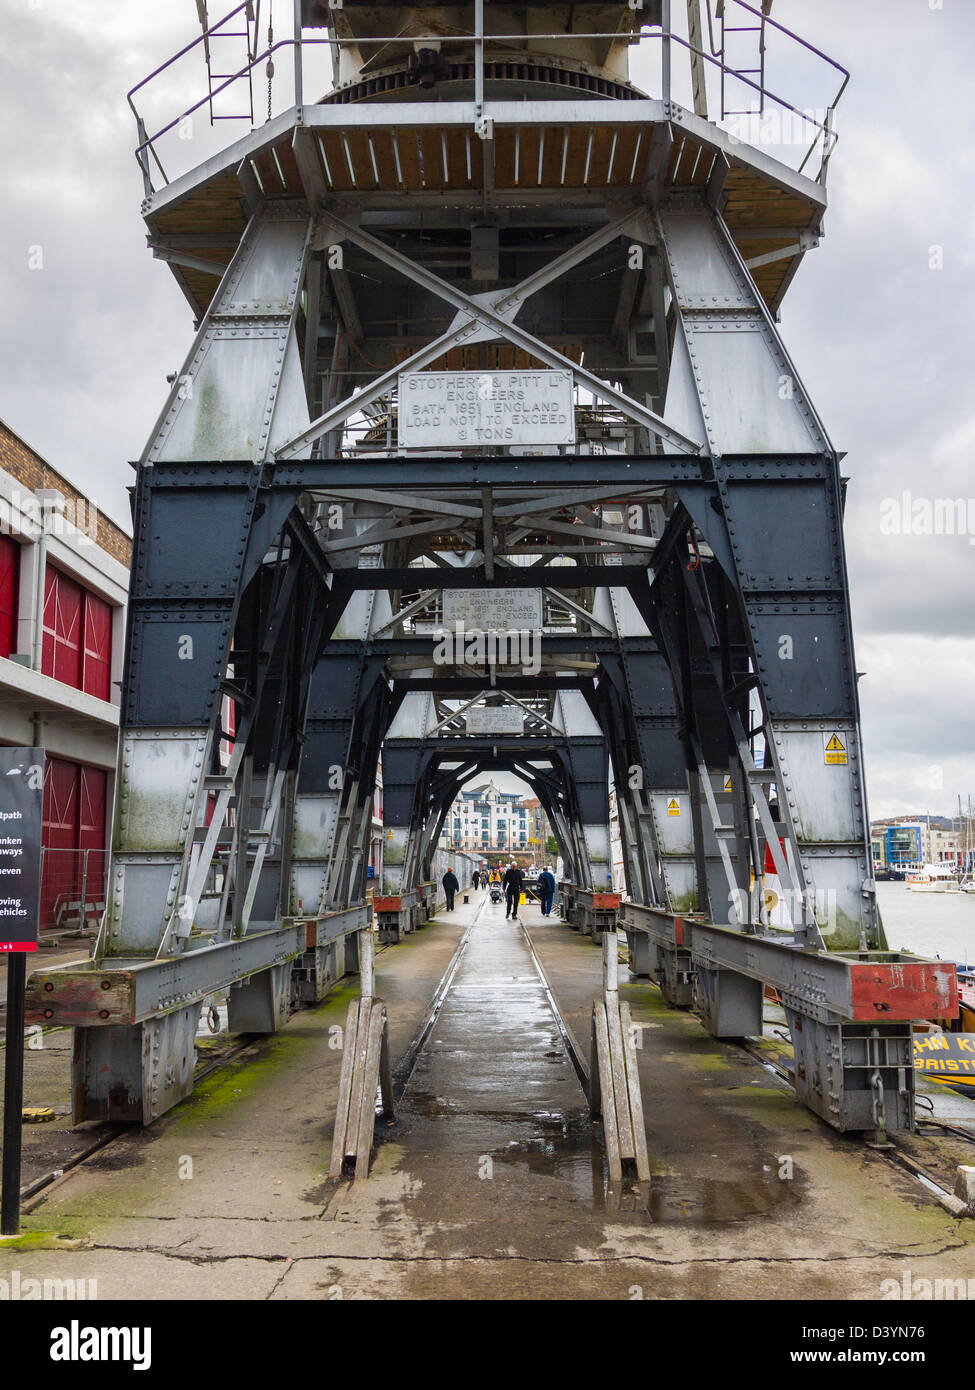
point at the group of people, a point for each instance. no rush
(512, 881)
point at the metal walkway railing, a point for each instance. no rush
(818, 120)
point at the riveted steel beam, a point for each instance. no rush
(867, 987)
(129, 992)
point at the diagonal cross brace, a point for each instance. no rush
(487, 316)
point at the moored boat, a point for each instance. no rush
(947, 1058)
(933, 878)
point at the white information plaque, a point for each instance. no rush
(447, 410)
(507, 719)
(492, 610)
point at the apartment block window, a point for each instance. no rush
(77, 636)
(9, 587)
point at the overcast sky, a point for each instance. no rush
(879, 319)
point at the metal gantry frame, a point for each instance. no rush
(696, 653)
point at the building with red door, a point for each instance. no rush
(63, 586)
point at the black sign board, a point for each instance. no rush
(21, 806)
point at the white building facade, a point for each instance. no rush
(486, 820)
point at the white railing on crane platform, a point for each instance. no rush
(817, 119)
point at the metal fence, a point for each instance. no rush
(72, 889)
(165, 123)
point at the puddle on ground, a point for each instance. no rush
(576, 1157)
(705, 1199)
(433, 1107)
(565, 1148)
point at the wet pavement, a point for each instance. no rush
(490, 1182)
(494, 1075)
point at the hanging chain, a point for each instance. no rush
(270, 56)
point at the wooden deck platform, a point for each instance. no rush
(372, 155)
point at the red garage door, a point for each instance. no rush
(92, 788)
(74, 822)
(97, 655)
(61, 657)
(9, 569)
(77, 635)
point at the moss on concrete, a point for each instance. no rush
(705, 1061)
(41, 1239)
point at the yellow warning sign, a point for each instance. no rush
(673, 807)
(727, 784)
(834, 749)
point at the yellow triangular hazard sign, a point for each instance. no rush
(834, 750)
(673, 807)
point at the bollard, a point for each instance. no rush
(367, 963)
(611, 965)
(965, 1187)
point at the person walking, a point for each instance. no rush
(476, 878)
(546, 890)
(450, 885)
(514, 881)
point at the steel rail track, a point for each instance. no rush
(32, 1193)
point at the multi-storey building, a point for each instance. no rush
(486, 820)
(907, 840)
(948, 846)
(903, 842)
(63, 587)
(539, 828)
(616, 844)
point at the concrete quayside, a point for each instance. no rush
(491, 1181)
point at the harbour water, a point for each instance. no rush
(929, 924)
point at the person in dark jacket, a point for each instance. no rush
(546, 890)
(476, 878)
(514, 881)
(450, 885)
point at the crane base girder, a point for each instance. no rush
(850, 1014)
(396, 914)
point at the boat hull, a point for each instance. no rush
(948, 1059)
